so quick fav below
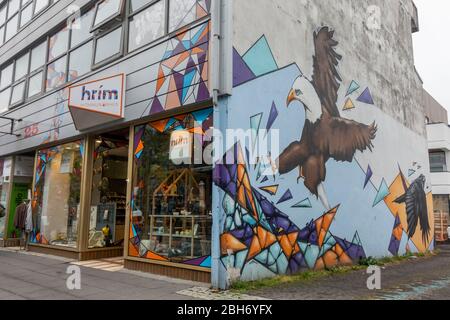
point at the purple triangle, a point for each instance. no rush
(241, 72)
(366, 97)
(286, 197)
(137, 136)
(156, 107)
(195, 262)
(369, 175)
(272, 116)
(203, 92)
(179, 82)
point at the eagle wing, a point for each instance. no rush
(326, 79)
(297, 152)
(416, 210)
(340, 138)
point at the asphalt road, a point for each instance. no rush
(416, 279)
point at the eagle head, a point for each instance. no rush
(303, 91)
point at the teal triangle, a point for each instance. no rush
(311, 255)
(187, 81)
(383, 192)
(255, 125)
(306, 203)
(259, 58)
(352, 88)
(206, 263)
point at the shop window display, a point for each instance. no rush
(171, 207)
(109, 186)
(56, 198)
(5, 168)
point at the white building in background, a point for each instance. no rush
(438, 132)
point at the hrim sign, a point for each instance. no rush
(97, 102)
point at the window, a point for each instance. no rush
(14, 14)
(80, 61)
(35, 84)
(56, 73)
(39, 5)
(58, 44)
(438, 161)
(57, 194)
(81, 29)
(38, 56)
(105, 11)
(21, 66)
(147, 26)
(108, 45)
(183, 12)
(172, 191)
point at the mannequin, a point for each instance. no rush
(23, 220)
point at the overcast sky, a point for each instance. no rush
(432, 48)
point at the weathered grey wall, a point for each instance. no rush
(383, 56)
(434, 111)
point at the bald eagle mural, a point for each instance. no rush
(325, 134)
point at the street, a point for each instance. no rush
(32, 276)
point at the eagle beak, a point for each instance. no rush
(291, 97)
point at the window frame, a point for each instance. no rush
(131, 15)
(443, 168)
(111, 19)
(114, 57)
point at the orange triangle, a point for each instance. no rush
(160, 125)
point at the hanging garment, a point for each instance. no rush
(20, 216)
(29, 219)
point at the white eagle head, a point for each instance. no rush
(303, 91)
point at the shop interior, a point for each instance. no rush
(109, 187)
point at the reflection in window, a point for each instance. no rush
(6, 76)
(4, 99)
(26, 15)
(172, 189)
(38, 56)
(81, 29)
(108, 45)
(21, 67)
(80, 61)
(106, 10)
(58, 44)
(56, 203)
(56, 73)
(40, 4)
(182, 12)
(137, 4)
(18, 93)
(11, 27)
(438, 161)
(147, 26)
(35, 84)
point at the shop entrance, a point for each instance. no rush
(109, 190)
(21, 184)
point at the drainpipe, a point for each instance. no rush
(221, 85)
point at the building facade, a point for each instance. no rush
(214, 140)
(438, 132)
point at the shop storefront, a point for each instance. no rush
(113, 141)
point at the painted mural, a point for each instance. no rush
(325, 202)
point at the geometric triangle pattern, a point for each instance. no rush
(396, 238)
(348, 105)
(266, 236)
(183, 72)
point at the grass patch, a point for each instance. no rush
(308, 276)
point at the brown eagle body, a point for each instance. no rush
(330, 136)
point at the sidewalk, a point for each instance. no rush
(34, 276)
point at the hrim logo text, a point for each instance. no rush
(99, 95)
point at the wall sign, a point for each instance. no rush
(180, 146)
(97, 102)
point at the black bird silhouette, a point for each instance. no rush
(415, 199)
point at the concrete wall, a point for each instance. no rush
(434, 111)
(276, 221)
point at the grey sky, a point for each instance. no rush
(431, 48)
